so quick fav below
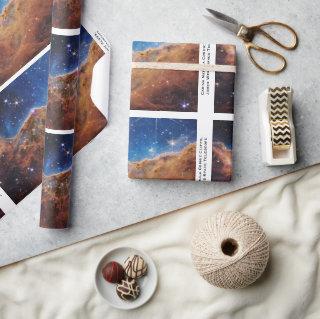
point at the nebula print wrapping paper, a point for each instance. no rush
(63, 101)
(48, 112)
(181, 115)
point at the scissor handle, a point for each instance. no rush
(259, 29)
(251, 46)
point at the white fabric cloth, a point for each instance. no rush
(60, 284)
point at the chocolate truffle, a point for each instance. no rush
(113, 272)
(128, 289)
(135, 266)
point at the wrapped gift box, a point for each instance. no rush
(181, 111)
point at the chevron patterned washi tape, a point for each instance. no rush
(279, 118)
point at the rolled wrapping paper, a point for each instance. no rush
(61, 109)
(230, 250)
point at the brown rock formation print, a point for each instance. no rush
(165, 90)
(182, 165)
(89, 120)
(21, 156)
(56, 200)
(62, 101)
(25, 29)
(221, 162)
(66, 14)
(180, 53)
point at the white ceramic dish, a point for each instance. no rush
(148, 283)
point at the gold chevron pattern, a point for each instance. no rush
(279, 118)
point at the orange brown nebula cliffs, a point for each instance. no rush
(21, 156)
(55, 198)
(179, 165)
(163, 90)
(181, 53)
(62, 101)
(225, 54)
(221, 162)
(66, 14)
(182, 165)
(89, 120)
(25, 28)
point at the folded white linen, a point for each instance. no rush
(60, 284)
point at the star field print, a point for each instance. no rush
(224, 92)
(222, 151)
(64, 54)
(150, 137)
(85, 43)
(63, 91)
(58, 153)
(27, 92)
(30, 91)
(222, 132)
(224, 81)
(23, 103)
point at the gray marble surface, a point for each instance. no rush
(104, 198)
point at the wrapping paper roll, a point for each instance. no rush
(62, 104)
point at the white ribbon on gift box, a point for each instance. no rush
(184, 66)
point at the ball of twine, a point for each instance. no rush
(230, 250)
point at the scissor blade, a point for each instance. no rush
(225, 21)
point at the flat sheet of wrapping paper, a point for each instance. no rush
(288, 210)
(24, 95)
(181, 111)
(63, 101)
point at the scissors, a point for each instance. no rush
(247, 34)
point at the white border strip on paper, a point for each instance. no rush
(223, 117)
(164, 114)
(59, 132)
(185, 66)
(65, 32)
(180, 115)
(101, 71)
(25, 67)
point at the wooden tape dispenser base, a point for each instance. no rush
(278, 142)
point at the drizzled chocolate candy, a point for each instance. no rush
(128, 289)
(135, 266)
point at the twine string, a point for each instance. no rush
(249, 259)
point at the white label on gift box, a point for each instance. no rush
(206, 87)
